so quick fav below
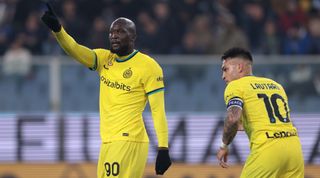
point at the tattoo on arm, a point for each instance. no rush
(231, 124)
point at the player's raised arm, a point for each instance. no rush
(81, 53)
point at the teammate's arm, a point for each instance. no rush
(81, 53)
(229, 132)
(231, 124)
(156, 101)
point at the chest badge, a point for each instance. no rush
(127, 73)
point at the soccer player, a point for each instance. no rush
(261, 105)
(128, 78)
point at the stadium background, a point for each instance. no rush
(49, 103)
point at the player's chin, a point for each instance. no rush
(114, 50)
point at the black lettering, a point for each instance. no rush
(253, 86)
(85, 137)
(21, 141)
(61, 139)
(268, 136)
(258, 86)
(315, 150)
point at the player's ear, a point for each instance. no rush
(240, 66)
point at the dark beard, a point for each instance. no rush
(122, 51)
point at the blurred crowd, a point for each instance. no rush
(168, 27)
(268, 27)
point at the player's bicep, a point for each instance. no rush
(234, 114)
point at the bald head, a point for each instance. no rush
(122, 36)
(126, 23)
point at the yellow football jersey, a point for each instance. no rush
(266, 113)
(124, 88)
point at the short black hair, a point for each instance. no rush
(237, 52)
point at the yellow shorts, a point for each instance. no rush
(279, 158)
(122, 159)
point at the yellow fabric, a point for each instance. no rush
(125, 83)
(156, 101)
(282, 159)
(81, 53)
(274, 143)
(255, 118)
(122, 159)
(123, 95)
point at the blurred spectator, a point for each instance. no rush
(271, 41)
(7, 9)
(99, 34)
(227, 34)
(147, 33)
(17, 61)
(33, 34)
(202, 29)
(314, 28)
(166, 24)
(189, 45)
(291, 15)
(253, 24)
(73, 22)
(296, 41)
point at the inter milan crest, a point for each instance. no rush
(127, 73)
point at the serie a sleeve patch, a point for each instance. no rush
(236, 101)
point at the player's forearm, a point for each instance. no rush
(231, 124)
(81, 53)
(156, 101)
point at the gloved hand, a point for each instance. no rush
(50, 19)
(163, 161)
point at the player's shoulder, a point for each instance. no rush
(147, 60)
(101, 51)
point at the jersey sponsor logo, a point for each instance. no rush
(264, 86)
(115, 85)
(281, 134)
(127, 73)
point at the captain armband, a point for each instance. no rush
(236, 101)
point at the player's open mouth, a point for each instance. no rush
(115, 45)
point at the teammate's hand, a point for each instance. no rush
(222, 157)
(50, 19)
(163, 161)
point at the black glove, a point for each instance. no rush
(163, 161)
(51, 20)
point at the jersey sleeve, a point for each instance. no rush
(79, 52)
(153, 81)
(233, 95)
(102, 56)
